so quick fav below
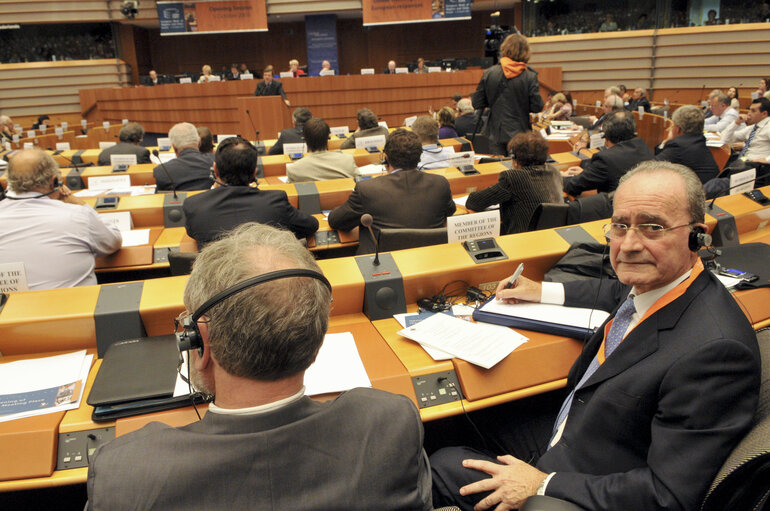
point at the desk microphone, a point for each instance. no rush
(168, 175)
(728, 190)
(260, 148)
(366, 221)
(454, 155)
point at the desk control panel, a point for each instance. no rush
(436, 389)
(326, 238)
(76, 448)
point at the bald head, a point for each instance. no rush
(392, 65)
(32, 170)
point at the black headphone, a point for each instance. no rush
(698, 239)
(190, 337)
(56, 185)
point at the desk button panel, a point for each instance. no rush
(436, 389)
(76, 448)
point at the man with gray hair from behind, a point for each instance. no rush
(263, 444)
(686, 144)
(52, 233)
(466, 121)
(190, 170)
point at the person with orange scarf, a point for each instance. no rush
(511, 91)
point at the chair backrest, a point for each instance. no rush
(743, 482)
(590, 208)
(181, 262)
(548, 216)
(480, 143)
(398, 239)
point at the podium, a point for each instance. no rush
(269, 114)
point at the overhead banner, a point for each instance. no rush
(386, 12)
(212, 17)
(321, 35)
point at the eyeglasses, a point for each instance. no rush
(179, 320)
(649, 231)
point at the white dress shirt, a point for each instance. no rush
(56, 241)
(760, 145)
(435, 157)
(721, 122)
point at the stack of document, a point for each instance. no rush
(481, 344)
(43, 385)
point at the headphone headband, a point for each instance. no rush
(253, 281)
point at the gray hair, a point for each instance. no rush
(31, 169)
(616, 102)
(714, 93)
(184, 135)
(612, 91)
(269, 331)
(689, 118)
(465, 106)
(301, 115)
(426, 128)
(722, 98)
(132, 132)
(366, 119)
(6, 121)
(641, 90)
(696, 198)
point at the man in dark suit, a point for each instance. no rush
(638, 99)
(190, 170)
(405, 198)
(511, 91)
(686, 144)
(233, 202)
(152, 79)
(130, 137)
(264, 444)
(270, 87)
(293, 135)
(660, 394)
(466, 121)
(623, 151)
(391, 69)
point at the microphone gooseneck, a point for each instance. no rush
(168, 174)
(367, 221)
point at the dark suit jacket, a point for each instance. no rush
(466, 124)
(510, 102)
(362, 450)
(287, 136)
(634, 104)
(142, 153)
(191, 170)
(603, 171)
(404, 199)
(651, 427)
(274, 89)
(209, 214)
(692, 152)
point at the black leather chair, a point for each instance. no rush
(548, 216)
(399, 239)
(181, 262)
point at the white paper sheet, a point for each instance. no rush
(136, 237)
(337, 368)
(373, 169)
(481, 344)
(434, 353)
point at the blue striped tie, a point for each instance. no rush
(614, 337)
(748, 142)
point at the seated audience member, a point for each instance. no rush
(732, 93)
(466, 121)
(603, 170)
(264, 444)
(391, 69)
(55, 234)
(270, 87)
(433, 155)
(611, 103)
(707, 108)
(42, 120)
(207, 142)
(686, 144)
(130, 136)
(368, 126)
(711, 18)
(206, 75)
(319, 163)
(654, 408)
(152, 79)
(610, 91)
(638, 99)
(234, 74)
(764, 86)
(519, 191)
(190, 170)
(244, 69)
(233, 201)
(624, 93)
(294, 68)
(456, 97)
(421, 66)
(561, 109)
(446, 123)
(404, 198)
(750, 134)
(292, 135)
(6, 128)
(326, 68)
(722, 114)
(609, 24)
